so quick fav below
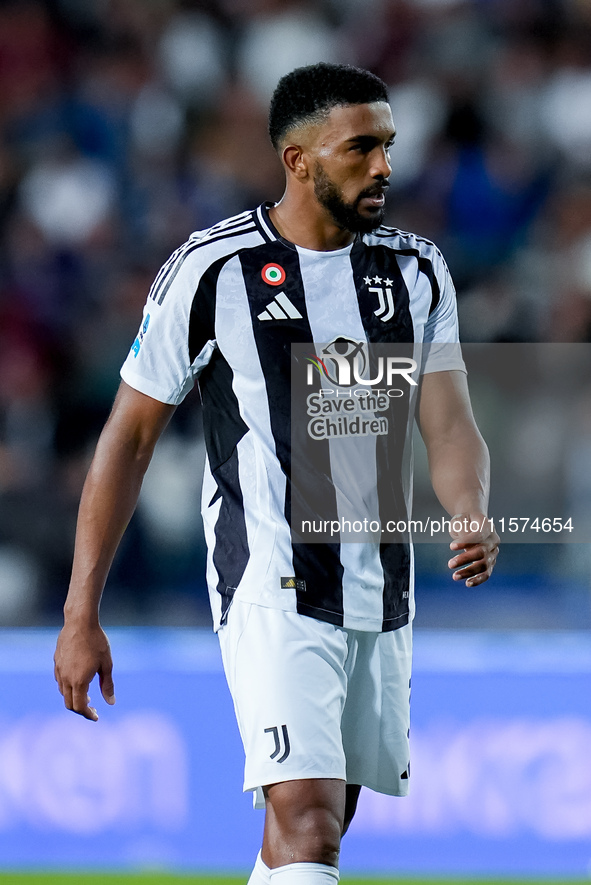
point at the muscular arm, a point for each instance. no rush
(459, 468)
(108, 501)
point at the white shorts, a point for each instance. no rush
(316, 701)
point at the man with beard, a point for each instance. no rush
(315, 637)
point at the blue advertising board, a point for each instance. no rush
(501, 761)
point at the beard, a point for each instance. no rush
(346, 215)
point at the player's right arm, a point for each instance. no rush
(108, 501)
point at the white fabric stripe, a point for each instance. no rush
(230, 222)
(222, 227)
(262, 480)
(204, 356)
(168, 272)
(264, 224)
(333, 310)
(226, 232)
(407, 240)
(193, 239)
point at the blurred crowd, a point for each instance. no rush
(127, 124)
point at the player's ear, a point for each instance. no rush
(296, 161)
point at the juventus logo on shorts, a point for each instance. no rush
(286, 747)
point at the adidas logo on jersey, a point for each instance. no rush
(280, 308)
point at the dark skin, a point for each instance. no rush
(346, 154)
(352, 147)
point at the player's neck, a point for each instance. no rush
(308, 225)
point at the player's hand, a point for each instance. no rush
(80, 654)
(474, 535)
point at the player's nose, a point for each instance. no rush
(381, 167)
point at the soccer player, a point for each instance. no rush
(315, 638)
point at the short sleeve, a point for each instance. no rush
(441, 350)
(159, 363)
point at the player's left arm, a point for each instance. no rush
(459, 465)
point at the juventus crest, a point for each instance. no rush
(385, 309)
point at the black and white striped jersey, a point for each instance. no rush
(226, 309)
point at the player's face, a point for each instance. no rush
(352, 164)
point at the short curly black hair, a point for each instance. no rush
(308, 94)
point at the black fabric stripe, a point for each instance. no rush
(386, 233)
(222, 423)
(379, 261)
(396, 562)
(162, 289)
(426, 267)
(166, 283)
(161, 275)
(231, 222)
(223, 426)
(202, 315)
(231, 553)
(227, 227)
(223, 429)
(178, 254)
(261, 229)
(425, 264)
(318, 565)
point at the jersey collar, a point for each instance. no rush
(267, 227)
(270, 232)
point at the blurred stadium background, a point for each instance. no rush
(124, 126)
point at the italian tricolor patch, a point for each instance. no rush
(273, 274)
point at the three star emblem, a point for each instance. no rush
(377, 281)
